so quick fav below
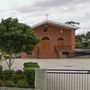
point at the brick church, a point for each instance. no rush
(57, 40)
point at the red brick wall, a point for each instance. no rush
(53, 34)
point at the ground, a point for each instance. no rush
(58, 64)
(52, 63)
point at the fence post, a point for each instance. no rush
(40, 79)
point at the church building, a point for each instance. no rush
(57, 40)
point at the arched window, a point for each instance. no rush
(45, 38)
(45, 43)
(60, 39)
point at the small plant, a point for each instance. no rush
(22, 84)
(10, 83)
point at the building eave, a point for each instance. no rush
(55, 23)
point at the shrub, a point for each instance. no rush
(8, 74)
(19, 75)
(1, 68)
(29, 70)
(30, 77)
(1, 83)
(16, 78)
(10, 83)
(1, 75)
(22, 84)
(31, 64)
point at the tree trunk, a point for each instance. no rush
(9, 61)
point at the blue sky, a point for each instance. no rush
(34, 11)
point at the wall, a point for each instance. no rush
(54, 32)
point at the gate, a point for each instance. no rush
(61, 79)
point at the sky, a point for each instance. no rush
(32, 12)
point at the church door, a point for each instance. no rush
(60, 43)
(45, 44)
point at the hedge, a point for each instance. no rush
(31, 64)
(8, 74)
(30, 77)
(1, 70)
(29, 70)
(19, 78)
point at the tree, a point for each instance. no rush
(72, 23)
(15, 38)
(88, 35)
(81, 41)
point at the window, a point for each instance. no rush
(45, 38)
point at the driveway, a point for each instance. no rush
(52, 63)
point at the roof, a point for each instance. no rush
(55, 23)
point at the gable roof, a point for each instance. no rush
(55, 23)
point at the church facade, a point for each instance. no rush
(57, 40)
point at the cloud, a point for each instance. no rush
(34, 11)
(52, 3)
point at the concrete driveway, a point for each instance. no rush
(52, 63)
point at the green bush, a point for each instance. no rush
(8, 74)
(31, 64)
(1, 75)
(10, 83)
(1, 83)
(19, 75)
(1, 68)
(22, 84)
(30, 77)
(29, 70)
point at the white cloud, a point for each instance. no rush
(33, 11)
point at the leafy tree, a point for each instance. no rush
(72, 23)
(79, 41)
(88, 35)
(15, 38)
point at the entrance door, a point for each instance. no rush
(60, 43)
(45, 44)
(45, 48)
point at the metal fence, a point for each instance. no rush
(59, 79)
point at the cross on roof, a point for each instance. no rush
(47, 16)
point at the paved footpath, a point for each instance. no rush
(52, 63)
